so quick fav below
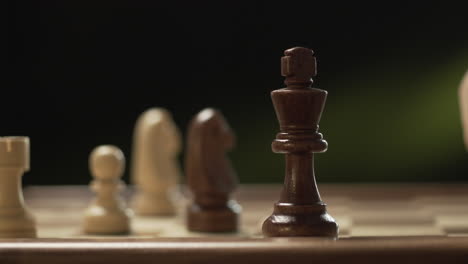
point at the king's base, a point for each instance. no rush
(224, 219)
(290, 220)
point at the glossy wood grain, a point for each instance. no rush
(385, 227)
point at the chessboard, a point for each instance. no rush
(381, 223)
(375, 223)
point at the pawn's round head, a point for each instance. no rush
(107, 162)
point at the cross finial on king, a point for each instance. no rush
(298, 66)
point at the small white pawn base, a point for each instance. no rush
(101, 221)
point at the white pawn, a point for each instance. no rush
(15, 219)
(155, 169)
(107, 213)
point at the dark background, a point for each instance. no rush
(81, 73)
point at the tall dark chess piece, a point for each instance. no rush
(300, 211)
(210, 175)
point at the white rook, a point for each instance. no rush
(15, 219)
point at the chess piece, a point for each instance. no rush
(210, 175)
(155, 169)
(107, 213)
(463, 97)
(300, 210)
(15, 219)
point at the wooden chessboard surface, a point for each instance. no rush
(375, 220)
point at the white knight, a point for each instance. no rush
(155, 169)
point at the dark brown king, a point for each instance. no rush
(299, 211)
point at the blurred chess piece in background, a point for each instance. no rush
(15, 219)
(463, 97)
(155, 169)
(210, 175)
(107, 214)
